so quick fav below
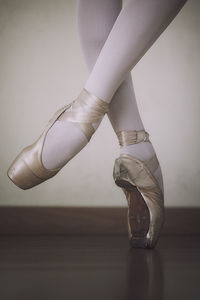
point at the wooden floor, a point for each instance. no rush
(103, 268)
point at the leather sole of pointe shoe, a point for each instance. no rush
(138, 216)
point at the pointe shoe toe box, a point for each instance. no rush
(27, 171)
(21, 174)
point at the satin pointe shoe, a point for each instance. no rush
(144, 195)
(27, 169)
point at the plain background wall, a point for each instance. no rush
(42, 69)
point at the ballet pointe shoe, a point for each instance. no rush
(144, 196)
(27, 170)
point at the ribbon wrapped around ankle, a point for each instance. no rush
(131, 137)
(84, 111)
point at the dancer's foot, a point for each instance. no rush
(144, 195)
(65, 135)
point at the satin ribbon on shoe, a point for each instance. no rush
(86, 110)
(131, 137)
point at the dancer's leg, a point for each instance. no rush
(138, 25)
(136, 28)
(95, 20)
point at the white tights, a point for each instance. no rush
(113, 39)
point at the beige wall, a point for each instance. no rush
(42, 68)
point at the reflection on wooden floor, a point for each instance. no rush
(103, 267)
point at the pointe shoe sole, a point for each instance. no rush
(138, 215)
